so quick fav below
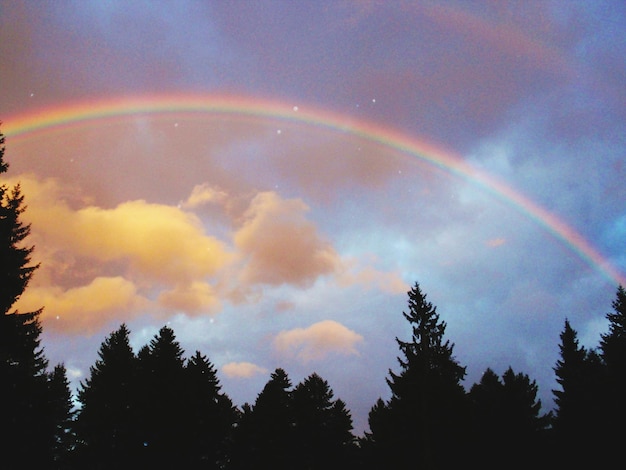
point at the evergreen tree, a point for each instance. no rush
(424, 421)
(25, 392)
(62, 418)
(209, 414)
(580, 374)
(162, 401)
(613, 354)
(107, 428)
(322, 426)
(272, 423)
(243, 452)
(507, 420)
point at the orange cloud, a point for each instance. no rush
(194, 298)
(280, 245)
(242, 370)
(84, 309)
(318, 341)
(159, 241)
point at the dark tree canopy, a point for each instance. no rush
(322, 426)
(107, 424)
(209, 415)
(29, 395)
(427, 409)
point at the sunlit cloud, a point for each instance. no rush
(193, 299)
(242, 370)
(159, 241)
(318, 341)
(280, 245)
(85, 309)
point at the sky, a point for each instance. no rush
(270, 178)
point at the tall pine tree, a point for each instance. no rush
(323, 436)
(161, 400)
(613, 353)
(107, 427)
(209, 416)
(28, 419)
(423, 423)
(507, 423)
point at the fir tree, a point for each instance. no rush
(506, 420)
(162, 404)
(273, 421)
(322, 426)
(427, 412)
(25, 394)
(613, 354)
(209, 416)
(107, 428)
(62, 418)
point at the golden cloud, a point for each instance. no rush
(318, 341)
(194, 298)
(242, 370)
(160, 241)
(280, 245)
(84, 309)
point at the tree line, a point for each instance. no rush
(159, 409)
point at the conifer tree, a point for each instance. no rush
(162, 401)
(613, 353)
(322, 426)
(62, 418)
(27, 419)
(272, 423)
(424, 419)
(107, 428)
(209, 416)
(506, 419)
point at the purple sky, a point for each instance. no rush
(269, 242)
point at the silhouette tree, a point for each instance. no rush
(580, 374)
(613, 353)
(162, 401)
(243, 452)
(107, 427)
(507, 420)
(209, 416)
(61, 415)
(423, 423)
(322, 427)
(272, 423)
(25, 395)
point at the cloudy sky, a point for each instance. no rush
(269, 178)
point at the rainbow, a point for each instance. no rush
(69, 116)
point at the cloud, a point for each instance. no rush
(496, 242)
(159, 241)
(84, 309)
(318, 341)
(204, 194)
(280, 245)
(242, 370)
(194, 298)
(390, 282)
